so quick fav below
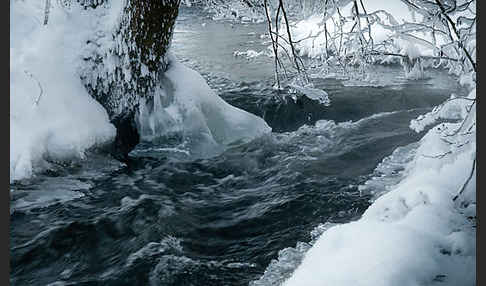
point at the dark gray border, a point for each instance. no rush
(479, 193)
(5, 105)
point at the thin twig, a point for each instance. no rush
(41, 91)
(46, 11)
(461, 45)
(274, 45)
(467, 181)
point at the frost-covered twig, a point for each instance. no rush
(293, 57)
(442, 155)
(455, 132)
(300, 69)
(467, 180)
(46, 11)
(274, 44)
(41, 91)
(406, 56)
(439, 156)
(443, 111)
(453, 25)
(368, 22)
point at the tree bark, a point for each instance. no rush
(140, 45)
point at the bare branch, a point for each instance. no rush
(46, 11)
(467, 180)
(461, 45)
(41, 91)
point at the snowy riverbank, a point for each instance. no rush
(415, 234)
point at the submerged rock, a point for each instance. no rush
(127, 136)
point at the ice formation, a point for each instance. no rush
(187, 106)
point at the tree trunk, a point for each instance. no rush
(140, 44)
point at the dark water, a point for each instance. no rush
(170, 220)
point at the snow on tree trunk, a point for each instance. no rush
(129, 69)
(121, 73)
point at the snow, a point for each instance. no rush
(453, 108)
(54, 119)
(310, 37)
(313, 93)
(236, 11)
(413, 234)
(288, 259)
(249, 54)
(187, 106)
(62, 121)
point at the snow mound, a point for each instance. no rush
(313, 93)
(249, 54)
(52, 117)
(187, 107)
(454, 108)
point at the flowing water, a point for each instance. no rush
(168, 219)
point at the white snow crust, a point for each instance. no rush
(52, 117)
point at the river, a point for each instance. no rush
(172, 220)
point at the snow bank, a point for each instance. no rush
(415, 234)
(186, 106)
(52, 117)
